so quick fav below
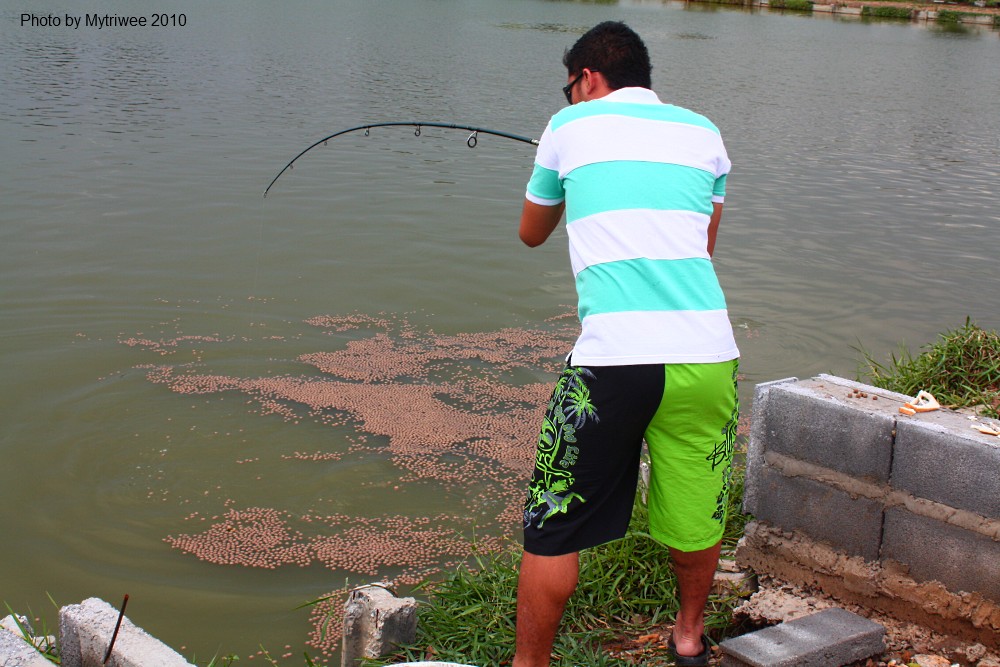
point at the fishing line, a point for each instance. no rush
(471, 141)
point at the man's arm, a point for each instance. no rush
(538, 222)
(713, 227)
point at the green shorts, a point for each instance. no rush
(587, 459)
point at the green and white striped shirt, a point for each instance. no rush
(639, 178)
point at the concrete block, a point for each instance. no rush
(739, 584)
(849, 524)
(814, 421)
(375, 622)
(14, 625)
(85, 632)
(758, 442)
(977, 19)
(15, 651)
(932, 550)
(829, 638)
(939, 457)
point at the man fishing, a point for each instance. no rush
(642, 184)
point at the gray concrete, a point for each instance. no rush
(825, 428)
(15, 651)
(740, 584)
(833, 463)
(375, 622)
(829, 638)
(852, 524)
(759, 436)
(936, 551)
(15, 625)
(85, 632)
(939, 457)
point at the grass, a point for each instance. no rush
(796, 5)
(43, 639)
(727, 2)
(626, 589)
(961, 369)
(887, 12)
(948, 16)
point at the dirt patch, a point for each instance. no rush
(777, 601)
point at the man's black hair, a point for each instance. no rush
(614, 50)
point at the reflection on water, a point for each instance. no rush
(178, 423)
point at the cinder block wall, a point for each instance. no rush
(901, 513)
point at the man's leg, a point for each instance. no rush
(695, 571)
(545, 584)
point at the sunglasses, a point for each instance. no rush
(568, 88)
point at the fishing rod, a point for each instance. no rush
(471, 141)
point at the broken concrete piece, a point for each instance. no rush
(740, 584)
(15, 651)
(10, 624)
(375, 622)
(85, 632)
(828, 638)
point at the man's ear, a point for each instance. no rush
(594, 85)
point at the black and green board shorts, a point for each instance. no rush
(587, 458)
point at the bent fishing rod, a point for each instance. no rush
(471, 141)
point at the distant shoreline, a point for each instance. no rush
(914, 11)
(924, 6)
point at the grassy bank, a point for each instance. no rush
(627, 589)
(961, 369)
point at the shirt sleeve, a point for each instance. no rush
(719, 190)
(545, 187)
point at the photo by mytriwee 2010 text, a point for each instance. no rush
(101, 21)
(642, 185)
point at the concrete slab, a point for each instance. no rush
(14, 625)
(933, 550)
(85, 632)
(815, 421)
(929, 443)
(852, 524)
(375, 622)
(758, 441)
(829, 638)
(15, 651)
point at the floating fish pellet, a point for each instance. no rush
(445, 409)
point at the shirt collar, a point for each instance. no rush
(634, 95)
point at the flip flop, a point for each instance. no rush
(700, 660)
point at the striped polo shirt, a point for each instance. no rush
(639, 178)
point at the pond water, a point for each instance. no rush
(226, 406)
